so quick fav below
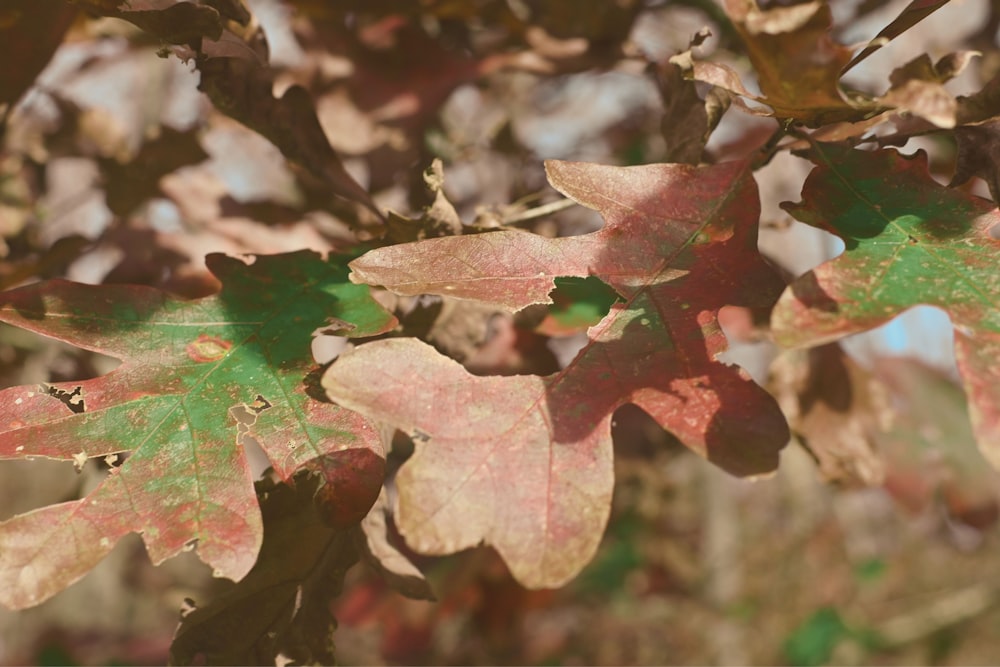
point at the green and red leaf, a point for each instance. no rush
(909, 241)
(199, 381)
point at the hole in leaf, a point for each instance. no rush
(577, 303)
(114, 461)
(259, 405)
(71, 397)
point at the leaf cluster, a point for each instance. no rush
(351, 295)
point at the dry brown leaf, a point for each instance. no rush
(914, 13)
(979, 155)
(687, 119)
(918, 87)
(797, 61)
(30, 32)
(835, 407)
(439, 218)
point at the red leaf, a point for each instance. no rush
(525, 463)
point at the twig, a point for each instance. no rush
(948, 610)
(766, 152)
(539, 211)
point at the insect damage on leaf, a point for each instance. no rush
(72, 399)
(246, 416)
(207, 348)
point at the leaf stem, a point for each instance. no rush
(766, 152)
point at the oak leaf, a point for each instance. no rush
(797, 61)
(525, 463)
(836, 409)
(283, 605)
(199, 381)
(979, 154)
(910, 241)
(929, 450)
